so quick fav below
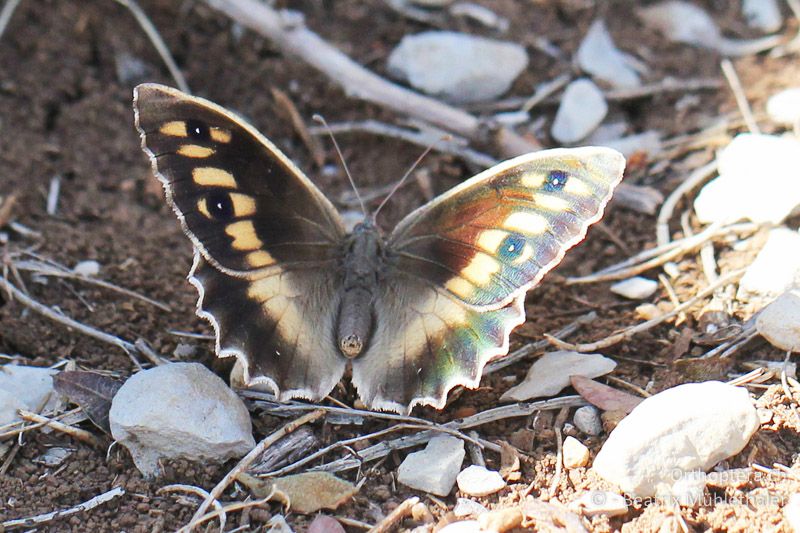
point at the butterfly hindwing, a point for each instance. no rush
(245, 206)
(498, 233)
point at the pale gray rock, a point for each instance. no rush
(53, 457)
(574, 453)
(550, 374)
(25, 387)
(478, 480)
(779, 322)
(87, 268)
(684, 22)
(764, 15)
(457, 67)
(759, 180)
(179, 410)
(598, 56)
(647, 142)
(775, 269)
(435, 468)
(466, 507)
(791, 512)
(599, 502)
(583, 107)
(687, 490)
(784, 107)
(687, 428)
(636, 288)
(587, 419)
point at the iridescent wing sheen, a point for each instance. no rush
(461, 265)
(497, 234)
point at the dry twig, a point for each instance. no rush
(76, 433)
(38, 520)
(396, 516)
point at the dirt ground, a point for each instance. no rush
(65, 110)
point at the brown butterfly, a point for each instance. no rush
(296, 298)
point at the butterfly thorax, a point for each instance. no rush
(364, 259)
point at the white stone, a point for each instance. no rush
(687, 428)
(687, 490)
(456, 66)
(759, 180)
(465, 507)
(599, 502)
(779, 322)
(764, 15)
(583, 107)
(435, 468)
(25, 387)
(636, 288)
(791, 512)
(464, 526)
(550, 374)
(179, 410)
(278, 524)
(647, 142)
(775, 269)
(597, 55)
(784, 107)
(87, 268)
(587, 419)
(575, 454)
(684, 22)
(478, 480)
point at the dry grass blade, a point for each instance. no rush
(38, 520)
(76, 433)
(300, 127)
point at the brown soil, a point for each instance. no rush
(64, 111)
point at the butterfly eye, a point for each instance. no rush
(555, 180)
(197, 130)
(512, 247)
(219, 205)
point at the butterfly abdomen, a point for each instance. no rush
(363, 261)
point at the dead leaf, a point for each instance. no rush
(602, 396)
(509, 462)
(92, 392)
(304, 493)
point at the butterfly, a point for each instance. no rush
(297, 298)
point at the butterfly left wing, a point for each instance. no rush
(462, 264)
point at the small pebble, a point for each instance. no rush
(479, 481)
(779, 322)
(25, 387)
(550, 374)
(764, 15)
(648, 311)
(501, 520)
(784, 107)
(598, 56)
(791, 512)
(53, 456)
(636, 288)
(583, 107)
(465, 507)
(435, 468)
(421, 513)
(574, 453)
(87, 268)
(599, 502)
(587, 419)
(775, 269)
(464, 526)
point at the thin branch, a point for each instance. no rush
(668, 207)
(76, 433)
(287, 30)
(200, 492)
(738, 93)
(396, 516)
(38, 520)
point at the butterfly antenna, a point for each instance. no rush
(321, 120)
(408, 173)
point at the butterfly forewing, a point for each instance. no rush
(498, 233)
(243, 203)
